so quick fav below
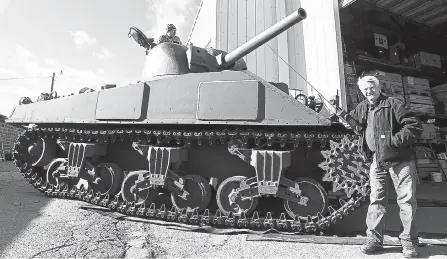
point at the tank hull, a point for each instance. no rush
(227, 98)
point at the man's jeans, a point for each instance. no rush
(404, 180)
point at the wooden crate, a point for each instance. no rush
(439, 89)
(422, 109)
(423, 152)
(430, 132)
(399, 96)
(415, 81)
(420, 104)
(443, 164)
(441, 96)
(390, 87)
(420, 90)
(417, 99)
(425, 167)
(389, 77)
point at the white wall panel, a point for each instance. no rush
(251, 32)
(283, 49)
(259, 27)
(271, 51)
(203, 30)
(322, 46)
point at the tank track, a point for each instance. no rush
(344, 167)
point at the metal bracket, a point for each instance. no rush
(160, 160)
(291, 191)
(64, 145)
(237, 152)
(235, 147)
(269, 166)
(78, 154)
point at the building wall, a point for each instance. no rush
(307, 54)
(8, 136)
(205, 24)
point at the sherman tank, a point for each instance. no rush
(226, 147)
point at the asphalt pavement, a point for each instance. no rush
(33, 225)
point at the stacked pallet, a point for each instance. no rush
(391, 84)
(442, 133)
(352, 91)
(2, 155)
(439, 93)
(418, 95)
(442, 159)
(426, 162)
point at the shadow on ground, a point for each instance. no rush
(20, 203)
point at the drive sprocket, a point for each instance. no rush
(345, 167)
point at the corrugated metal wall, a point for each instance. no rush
(309, 50)
(204, 26)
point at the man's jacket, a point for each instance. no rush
(395, 128)
(166, 38)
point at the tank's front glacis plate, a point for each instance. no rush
(228, 97)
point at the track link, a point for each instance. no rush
(344, 167)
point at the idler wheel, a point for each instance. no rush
(130, 193)
(54, 173)
(35, 151)
(316, 203)
(199, 194)
(108, 179)
(229, 200)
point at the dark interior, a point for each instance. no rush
(360, 20)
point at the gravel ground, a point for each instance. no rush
(32, 225)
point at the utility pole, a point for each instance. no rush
(52, 82)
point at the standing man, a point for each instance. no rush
(170, 35)
(388, 130)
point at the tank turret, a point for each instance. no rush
(175, 59)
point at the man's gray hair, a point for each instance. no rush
(368, 77)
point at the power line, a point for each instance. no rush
(313, 87)
(21, 78)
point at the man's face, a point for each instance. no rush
(370, 91)
(171, 33)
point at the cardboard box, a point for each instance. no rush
(422, 58)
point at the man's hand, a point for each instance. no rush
(344, 123)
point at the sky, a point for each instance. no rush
(86, 40)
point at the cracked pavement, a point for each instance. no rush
(35, 226)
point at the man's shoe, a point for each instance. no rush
(371, 246)
(409, 250)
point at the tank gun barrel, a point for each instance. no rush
(260, 39)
